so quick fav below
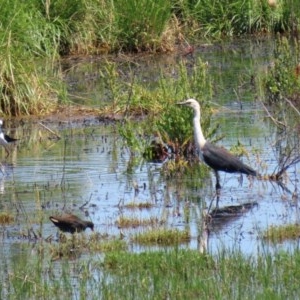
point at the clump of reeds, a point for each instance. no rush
(278, 234)
(124, 222)
(139, 205)
(162, 237)
(6, 218)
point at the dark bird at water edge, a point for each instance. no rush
(71, 223)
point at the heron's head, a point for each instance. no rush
(191, 103)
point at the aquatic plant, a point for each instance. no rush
(186, 274)
(6, 218)
(177, 273)
(139, 205)
(162, 118)
(278, 234)
(282, 80)
(78, 244)
(125, 222)
(162, 236)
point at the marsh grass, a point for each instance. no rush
(27, 88)
(279, 234)
(26, 91)
(73, 246)
(6, 218)
(107, 246)
(281, 80)
(231, 18)
(162, 236)
(37, 32)
(125, 222)
(139, 205)
(188, 274)
(142, 23)
(173, 273)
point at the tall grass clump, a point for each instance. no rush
(141, 23)
(234, 17)
(26, 39)
(27, 89)
(77, 23)
(98, 26)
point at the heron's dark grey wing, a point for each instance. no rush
(9, 139)
(220, 159)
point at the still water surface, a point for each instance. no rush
(89, 171)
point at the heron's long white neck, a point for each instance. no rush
(198, 134)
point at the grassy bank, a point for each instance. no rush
(36, 34)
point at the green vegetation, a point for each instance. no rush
(139, 205)
(278, 234)
(135, 222)
(233, 18)
(282, 81)
(78, 244)
(36, 34)
(184, 274)
(162, 236)
(176, 274)
(164, 117)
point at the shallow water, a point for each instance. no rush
(90, 173)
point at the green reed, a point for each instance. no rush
(282, 79)
(176, 274)
(236, 17)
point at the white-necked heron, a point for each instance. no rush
(218, 158)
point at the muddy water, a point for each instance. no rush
(90, 173)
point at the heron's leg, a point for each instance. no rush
(218, 198)
(7, 153)
(6, 150)
(218, 185)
